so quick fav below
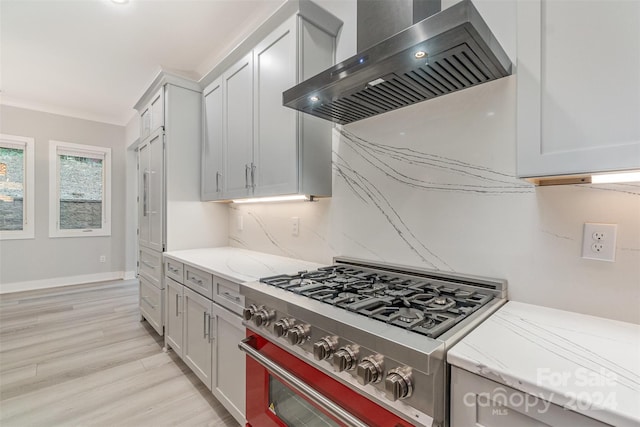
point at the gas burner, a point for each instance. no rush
(409, 315)
(317, 275)
(440, 304)
(372, 289)
(299, 282)
(421, 304)
(419, 300)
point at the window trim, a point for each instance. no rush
(28, 204)
(54, 189)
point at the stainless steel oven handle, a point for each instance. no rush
(300, 386)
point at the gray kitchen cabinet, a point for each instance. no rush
(171, 214)
(152, 114)
(269, 149)
(237, 130)
(478, 401)
(174, 315)
(212, 150)
(576, 116)
(197, 338)
(228, 362)
(203, 327)
(152, 304)
(150, 266)
(151, 191)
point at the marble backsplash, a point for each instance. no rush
(433, 185)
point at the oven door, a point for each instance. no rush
(302, 395)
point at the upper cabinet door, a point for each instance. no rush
(152, 116)
(578, 79)
(238, 128)
(212, 150)
(157, 110)
(275, 130)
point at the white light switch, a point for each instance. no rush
(599, 241)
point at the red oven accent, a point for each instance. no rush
(258, 414)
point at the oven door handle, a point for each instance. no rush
(300, 386)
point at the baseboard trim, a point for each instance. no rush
(61, 281)
(130, 275)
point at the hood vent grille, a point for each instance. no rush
(456, 69)
(461, 52)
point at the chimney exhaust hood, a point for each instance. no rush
(448, 51)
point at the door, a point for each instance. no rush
(238, 128)
(212, 150)
(197, 339)
(173, 321)
(275, 131)
(228, 364)
(155, 177)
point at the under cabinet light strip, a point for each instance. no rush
(610, 178)
(274, 199)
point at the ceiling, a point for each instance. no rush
(94, 59)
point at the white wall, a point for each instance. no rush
(433, 185)
(45, 261)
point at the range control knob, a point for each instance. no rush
(248, 312)
(345, 359)
(398, 384)
(298, 334)
(263, 317)
(369, 371)
(323, 349)
(281, 327)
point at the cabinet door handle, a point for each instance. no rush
(177, 305)
(253, 175)
(211, 338)
(218, 182)
(246, 176)
(204, 325)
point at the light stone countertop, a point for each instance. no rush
(587, 364)
(240, 265)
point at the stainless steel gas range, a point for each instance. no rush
(364, 343)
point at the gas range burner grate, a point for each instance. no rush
(421, 306)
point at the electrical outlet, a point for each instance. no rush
(103, 258)
(599, 241)
(240, 223)
(295, 226)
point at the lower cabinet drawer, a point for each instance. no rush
(152, 305)
(198, 280)
(174, 269)
(151, 266)
(227, 294)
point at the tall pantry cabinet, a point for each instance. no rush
(171, 215)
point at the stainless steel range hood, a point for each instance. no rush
(449, 51)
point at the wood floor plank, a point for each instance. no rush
(79, 356)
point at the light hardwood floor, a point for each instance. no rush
(80, 356)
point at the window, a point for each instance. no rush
(80, 190)
(16, 187)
